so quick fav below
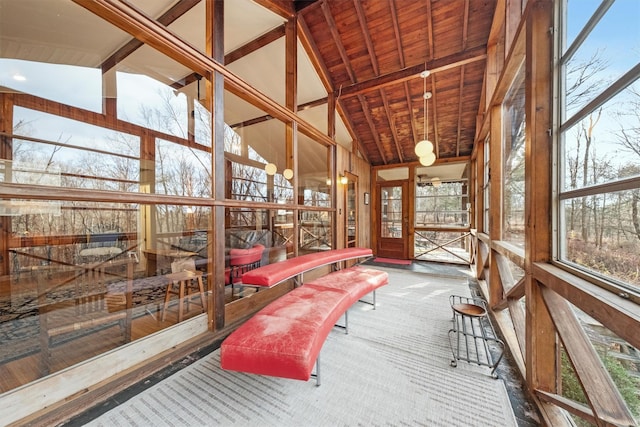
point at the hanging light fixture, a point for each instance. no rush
(287, 173)
(428, 159)
(270, 169)
(424, 147)
(435, 181)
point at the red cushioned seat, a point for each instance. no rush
(272, 274)
(285, 337)
(357, 280)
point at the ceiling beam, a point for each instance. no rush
(283, 8)
(372, 126)
(254, 45)
(442, 64)
(367, 36)
(392, 124)
(333, 28)
(167, 18)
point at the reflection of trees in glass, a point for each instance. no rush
(513, 169)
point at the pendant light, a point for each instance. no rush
(424, 147)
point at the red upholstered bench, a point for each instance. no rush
(284, 338)
(278, 272)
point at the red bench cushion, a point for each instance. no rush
(284, 338)
(272, 274)
(357, 281)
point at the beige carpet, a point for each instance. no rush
(392, 369)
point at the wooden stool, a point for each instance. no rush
(184, 284)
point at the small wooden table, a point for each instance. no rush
(155, 255)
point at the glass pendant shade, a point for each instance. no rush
(424, 147)
(428, 159)
(436, 182)
(287, 173)
(270, 169)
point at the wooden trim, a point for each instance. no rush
(413, 72)
(518, 318)
(514, 253)
(47, 393)
(568, 405)
(618, 314)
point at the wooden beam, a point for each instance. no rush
(396, 31)
(372, 127)
(542, 354)
(392, 124)
(600, 391)
(309, 45)
(367, 37)
(615, 312)
(283, 8)
(333, 29)
(518, 318)
(435, 66)
(255, 45)
(167, 18)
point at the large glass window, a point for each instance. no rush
(84, 272)
(513, 166)
(599, 149)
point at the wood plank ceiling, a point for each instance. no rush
(373, 52)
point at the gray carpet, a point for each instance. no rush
(391, 369)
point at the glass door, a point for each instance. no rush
(393, 220)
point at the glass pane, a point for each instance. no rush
(605, 145)
(610, 50)
(391, 212)
(513, 169)
(315, 228)
(182, 171)
(91, 277)
(601, 234)
(578, 13)
(81, 155)
(313, 170)
(255, 150)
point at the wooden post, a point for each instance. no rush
(496, 160)
(215, 104)
(541, 356)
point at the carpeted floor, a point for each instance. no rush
(393, 368)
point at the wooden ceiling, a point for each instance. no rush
(372, 53)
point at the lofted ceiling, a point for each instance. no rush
(373, 52)
(368, 54)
